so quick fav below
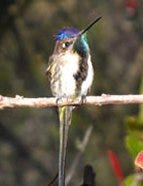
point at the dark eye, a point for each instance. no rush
(66, 44)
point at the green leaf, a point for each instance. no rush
(129, 180)
(134, 143)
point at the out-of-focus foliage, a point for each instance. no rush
(129, 180)
(134, 138)
(29, 137)
(141, 106)
(134, 143)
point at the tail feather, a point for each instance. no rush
(65, 116)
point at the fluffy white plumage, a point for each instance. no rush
(64, 71)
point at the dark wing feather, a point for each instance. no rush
(49, 68)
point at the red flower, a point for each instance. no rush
(131, 4)
(115, 164)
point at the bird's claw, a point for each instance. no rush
(83, 99)
(69, 99)
(59, 99)
(62, 98)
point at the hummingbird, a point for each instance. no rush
(70, 73)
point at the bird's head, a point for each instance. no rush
(73, 40)
(65, 39)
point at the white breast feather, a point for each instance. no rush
(89, 79)
(70, 68)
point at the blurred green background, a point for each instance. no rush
(29, 138)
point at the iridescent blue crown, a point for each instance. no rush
(65, 33)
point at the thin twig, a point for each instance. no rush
(76, 160)
(53, 180)
(104, 99)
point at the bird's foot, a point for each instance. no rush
(60, 99)
(83, 99)
(63, 98)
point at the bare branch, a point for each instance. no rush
(104, 99)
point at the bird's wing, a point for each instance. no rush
(49, 70)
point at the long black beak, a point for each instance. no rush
(89, 26)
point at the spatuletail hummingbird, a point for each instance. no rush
(71, 74)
